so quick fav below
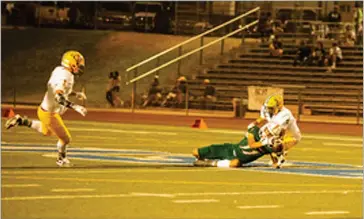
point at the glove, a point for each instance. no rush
(80, 109)
(81, 96)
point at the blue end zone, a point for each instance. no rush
(157, 157)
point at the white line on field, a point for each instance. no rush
(123, 131)
(342, 144)
(147, 170)
(195, 201)
(333, 138)
(18, 185)
(48, 197)
(326, 212)
(166, 195)
(96, 137)
(269, 192)
(73, 190)
(259, 206)
(152, 195)
(341, 138)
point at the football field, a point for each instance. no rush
(145, 171)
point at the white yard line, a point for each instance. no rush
(270, 192)
(56, 197)
(123, 131)
(305, 136)
(106, 171)
(97, 137)
(326, 212)
(177, 182)
(152, 195)
(73, 190)
(195, 201)
(335, 144)
(259, 206)
(173, 195)
(19, 185)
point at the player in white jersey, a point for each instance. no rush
(55, 103)
(274, 110)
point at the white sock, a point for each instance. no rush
(37, 125)
(61, 147)
(223, 163)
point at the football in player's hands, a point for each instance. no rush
(80, 109)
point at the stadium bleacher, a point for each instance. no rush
(338, 92)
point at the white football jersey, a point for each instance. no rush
(284, 118)
(61, 79)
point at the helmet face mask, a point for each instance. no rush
(74, 61)
(274, 104)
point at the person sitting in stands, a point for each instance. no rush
(335, 56)
(154, 93)
(303, 54)
(209, 96)
(276, 47)
(350, 36)
(318, 56)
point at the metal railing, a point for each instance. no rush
(179, 47)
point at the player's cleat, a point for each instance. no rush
(63, 162)
(277, 160)
(14, 121)
(204, 163)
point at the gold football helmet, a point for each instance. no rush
(74, 61)
(274, 104)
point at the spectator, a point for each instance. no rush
(113, 88)
(177, 94)
(303, 54)
(334, 17)
(319, 54)
(350, 37)
(276, 47)
(335, 56)
(264, 27)
(358, 21)
(209, 96)
(154, 94)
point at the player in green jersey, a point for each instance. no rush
(256, 143)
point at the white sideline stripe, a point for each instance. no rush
(270, 192)
(342, 144)
(333, 138)
(259, 206)
(73, 190)
(195, 201)
(96, 137)
(326, 212)
(123, 131)
(28, 198)
(151, 195)
(18, 185)
(347, 138)
(30, 172)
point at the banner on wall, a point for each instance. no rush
(258, 94)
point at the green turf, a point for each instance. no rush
(120, 190)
